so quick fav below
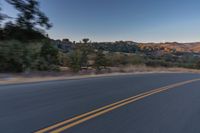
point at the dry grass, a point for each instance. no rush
(143, 68)
(124, 70)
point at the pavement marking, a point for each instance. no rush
(89, 113)
(64, 125)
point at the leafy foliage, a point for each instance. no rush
(121, 46)
(75, 60)
(100, 60)
(13, 32)
(30, 22)
(1, 15)
(48, 58)
(85, 40)
(29, 14)
(16, 56)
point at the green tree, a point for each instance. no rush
(197, 65)
(49, 55)
(14, 56)
(13, 32)
(85, 49)
(30, 22)
(75, 60)
(1, 18)
(100, 60)
(29, 15)
(85, 40)
(1, 15)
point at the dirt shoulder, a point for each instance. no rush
(130, 70)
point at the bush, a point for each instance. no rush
(197, 65)
(158, 63)
(63, 59)
(47, 59)
(100, 61)
(118, 59)
(16, 56)
(75, 60)
(135, 60)
(11, 32)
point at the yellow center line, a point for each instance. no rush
(92, 114)
(98, 114)
(88, 113)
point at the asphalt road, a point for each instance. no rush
(27, 108)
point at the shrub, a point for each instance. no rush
(16, 56)
(197, 65)
(100, 61)
(157, 63)
(75, 60)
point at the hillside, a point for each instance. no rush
(178, 47)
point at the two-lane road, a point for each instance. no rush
(148, 103)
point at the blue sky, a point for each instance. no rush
(111, 20)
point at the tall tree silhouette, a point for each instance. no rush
(29, 15)
(1, 18)
(85, 40)
(1, 15)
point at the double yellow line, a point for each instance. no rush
(64, 125)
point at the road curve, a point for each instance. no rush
(153, 103)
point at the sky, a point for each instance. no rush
(130, 20)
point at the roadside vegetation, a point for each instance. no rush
(25, 47)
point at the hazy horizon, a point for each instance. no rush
(114, 20)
